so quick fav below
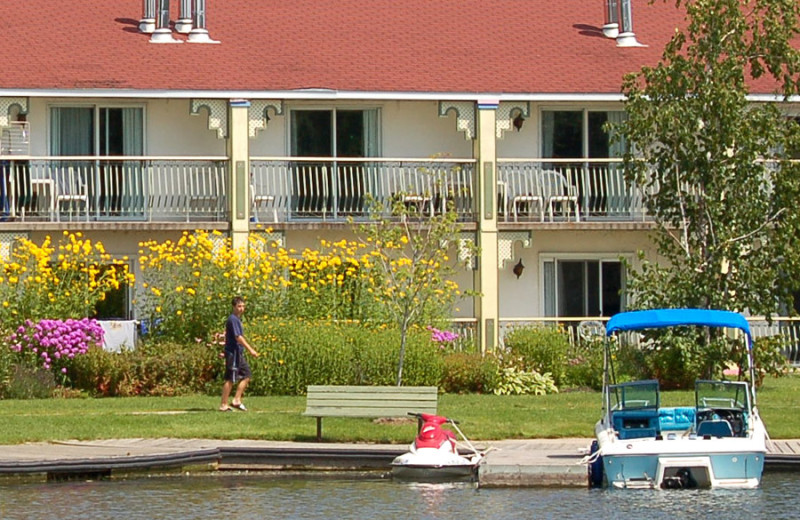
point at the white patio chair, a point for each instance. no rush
(259, 199)
(556, 190)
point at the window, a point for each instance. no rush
(117, 302)
(581, 134)
(582, 287)
(104, 188)
(335, 188)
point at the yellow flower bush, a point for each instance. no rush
(60, 280)
(188, 284)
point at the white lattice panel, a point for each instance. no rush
(465, 244)
(6, 103)
(257, 115)
(267, 238)
(465, 115)
(217, 114)
(503, 121)
(7, 242)
(505, 245)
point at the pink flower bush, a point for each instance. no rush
(52, 343)
(443, 338)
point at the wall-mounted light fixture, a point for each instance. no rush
(518, 269)
(518, 122)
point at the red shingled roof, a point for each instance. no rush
(415, 46)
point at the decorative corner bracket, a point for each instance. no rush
(465, 115)
(505, 245)
(217, 114)
(258, 115)
(465, 243)
(8, 241)
(275, 236)
(7, 103)
(507, 109)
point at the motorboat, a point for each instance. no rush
(434, 455)
(719, 441)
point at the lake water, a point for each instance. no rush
(258, 496)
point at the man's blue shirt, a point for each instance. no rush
(233, 329)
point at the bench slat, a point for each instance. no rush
(368, 401)
(316, 389)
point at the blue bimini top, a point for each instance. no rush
(660, 318)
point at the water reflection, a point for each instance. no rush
(246, 497)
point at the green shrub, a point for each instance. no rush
(769, 358)
(542, 349)
(297, 353)
(30, 383)
(7, 360)
(156, 368)
(514, 381)
(99, 372)
(584, 365)
(466, 372)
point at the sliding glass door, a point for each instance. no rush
(106, 189)
(584, 134)
(578, 288)
(325, 186)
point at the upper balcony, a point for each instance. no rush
(193, 190)
(567, 190)
(114, 189)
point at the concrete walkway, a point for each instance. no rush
(531, 462)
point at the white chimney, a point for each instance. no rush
(199, 33)
(184, 23)
(148, 22)
(611, 28)
(163, 34)
(626, 38)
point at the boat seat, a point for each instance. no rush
(635, 424)
(679, 418)
(715, 428)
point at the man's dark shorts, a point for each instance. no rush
(236, 366)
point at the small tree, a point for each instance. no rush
(709, 159)
(411, 267)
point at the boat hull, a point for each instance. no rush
(689, 470)
(435, 473)
(682, 461)
(433, 464)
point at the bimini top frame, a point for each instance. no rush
(662, 318)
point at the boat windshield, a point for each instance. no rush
(634, 395)
(731, 395)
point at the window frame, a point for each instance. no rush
(584, 110)
(554, 258)
(96, 108)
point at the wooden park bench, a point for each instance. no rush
(368, 401)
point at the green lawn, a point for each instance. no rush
(570, 414)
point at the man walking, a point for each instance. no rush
(236, 366)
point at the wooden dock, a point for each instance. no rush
(509, 463)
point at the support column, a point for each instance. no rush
(239, 153)
(487, 276)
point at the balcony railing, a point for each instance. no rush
(323, 188)
(551, 190)
(91, 188)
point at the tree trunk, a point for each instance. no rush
(403, 331)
